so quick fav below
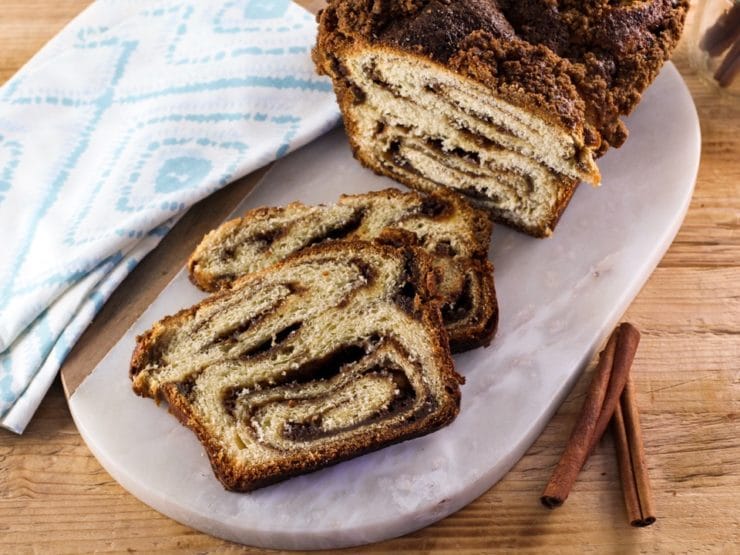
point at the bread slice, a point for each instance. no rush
(443, 224)
(506, 102)
(331, 353)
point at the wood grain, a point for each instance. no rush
(54, 496)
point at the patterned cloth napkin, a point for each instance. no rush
(135, 111)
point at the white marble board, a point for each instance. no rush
(559, 299)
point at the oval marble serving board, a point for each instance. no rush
(559, 299)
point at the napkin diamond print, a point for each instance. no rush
(129, 116)
(232, 13)
(10, 153)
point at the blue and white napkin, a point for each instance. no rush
(135, 111)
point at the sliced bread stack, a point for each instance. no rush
(327, 335)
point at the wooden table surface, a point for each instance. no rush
(55, 497)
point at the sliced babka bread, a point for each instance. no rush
(334, 352)
(443, 224)
(508, 102)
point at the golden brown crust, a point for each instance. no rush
(247, 477)
(481, 332)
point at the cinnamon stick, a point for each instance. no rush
(626, 476)
(638, 494)
(628, 337)
(725, 31)
(601, 399)
(729, 67)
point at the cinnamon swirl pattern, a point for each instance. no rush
(334, 352)
(442, 223)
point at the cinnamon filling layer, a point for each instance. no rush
(351, 387)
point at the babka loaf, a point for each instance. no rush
(441, 223)
(334, 352)
(508, 102)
